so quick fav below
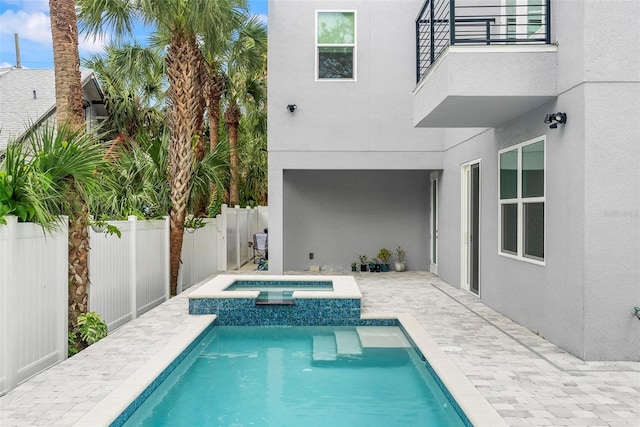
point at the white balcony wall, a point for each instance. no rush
(33, 300)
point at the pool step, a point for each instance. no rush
(347, 343)
(382, 337)
(324, 348)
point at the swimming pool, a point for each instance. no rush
(294, 376)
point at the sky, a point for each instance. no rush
(30, 19)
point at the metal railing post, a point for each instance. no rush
(452, 22)
(548, 22)
(432, 55)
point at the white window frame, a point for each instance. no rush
(520, 201)
(352, 45)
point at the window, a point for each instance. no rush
(335, 45)
(521, 211)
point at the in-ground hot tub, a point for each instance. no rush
(279, 300)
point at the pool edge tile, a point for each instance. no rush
(109, 409)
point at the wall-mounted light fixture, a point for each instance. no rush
(292, 107)
(555, 119)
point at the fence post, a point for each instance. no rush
(8, 297)
(63, 302)
(222, 238)
(133, 220)
(237, 209)
(167, 259)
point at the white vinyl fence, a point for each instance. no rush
(33, 300)
(242, 224)
(129, 276)
(203, 252)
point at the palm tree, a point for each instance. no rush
(69, 113)
(178, 24)
(66, 60)
(245, 67)
(133, 80)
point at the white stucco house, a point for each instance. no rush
(497, 141)
(28, 98)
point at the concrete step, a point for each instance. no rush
(347, 343)
(324, 348)
(382, 337)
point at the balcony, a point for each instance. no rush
(482, 65)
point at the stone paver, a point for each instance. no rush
(529, 381)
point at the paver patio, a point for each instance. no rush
(528, 380)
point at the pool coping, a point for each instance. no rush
(474, 405)
(115, 403)
(344, 287)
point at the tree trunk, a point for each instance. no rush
(215, 90)
(200, 205)
(182, 72)
(78, 257)
(64, 31)
(232, 120)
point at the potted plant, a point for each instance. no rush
(400, 264)
(374, 265)
(354, 266)
(385, 256)
(363, 262)
(192, 223)
(100, 225)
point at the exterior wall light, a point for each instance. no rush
(292, 107)
(555, 119)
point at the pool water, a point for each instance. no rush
(278, 292)
(299, 376)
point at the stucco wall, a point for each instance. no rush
(338, 215)
(372, 113)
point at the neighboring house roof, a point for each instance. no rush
(28, 97)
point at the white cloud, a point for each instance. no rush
(91, 44)
(34, 26)
(5, 65)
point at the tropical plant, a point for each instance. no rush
(133, 81)
(63, 167)
(178, 24)
(245, 69)
(363, 259)
(384, 255)
(400, 253)
(100, 225)
(91, 327)
(15, 195)
(193, 223)
(135, 183)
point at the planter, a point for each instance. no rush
(99, 228)
(363, 267)
(353, 268)
(384, 268)
(400, 266)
